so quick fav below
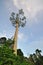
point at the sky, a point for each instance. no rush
(30, 37)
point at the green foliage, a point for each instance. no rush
(36, 57)
(19, 52)
(18, 18)
(6, 54)
(7, 57)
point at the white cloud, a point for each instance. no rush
(21, 36)
(29, 6)
(3, 34)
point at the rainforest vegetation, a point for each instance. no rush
(7, 57)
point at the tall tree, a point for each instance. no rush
(17, 20)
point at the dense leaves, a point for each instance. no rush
(18, 18)
(7, 57)
(36, 57)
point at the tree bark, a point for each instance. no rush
(15, 40)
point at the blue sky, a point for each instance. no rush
(31, 36)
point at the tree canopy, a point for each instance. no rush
(18, 18)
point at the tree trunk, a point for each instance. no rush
(15, 40)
